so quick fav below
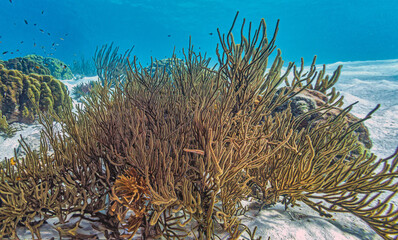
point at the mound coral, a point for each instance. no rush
(175, 155)
(40, 65)
(19, 93)
(26, 66)
(57, 68)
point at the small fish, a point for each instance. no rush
(41, 30)
(64, 66)
(18, 178)
(42, 12)
(10, 1)
(17, 50)
(5, 52)
(35, 24)
(11, 52)
(48, 34)
(26, 21)
(21, 42)
(46, 64)
(66, 34)
(34, 44)
(53, 44)
(210, 34)
(169, 35)
(37, 67)
(61, 39)
(12, 162)
(42, 47)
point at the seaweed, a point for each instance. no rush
(174, 154)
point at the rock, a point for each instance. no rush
(310, 99)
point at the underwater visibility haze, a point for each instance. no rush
(335, 31)
(210, 119)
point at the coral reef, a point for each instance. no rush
(20, 93)
(39, 65)
(309, 100)
(175, 155)
(57, 68)
(26, 66)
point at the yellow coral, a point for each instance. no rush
(130, 191)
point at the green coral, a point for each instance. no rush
(20, 93)
(39, 65)
(26, 66)
(57, 68)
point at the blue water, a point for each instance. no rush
(339, 30)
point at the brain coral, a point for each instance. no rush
(18, 91)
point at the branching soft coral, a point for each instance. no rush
(175, 153)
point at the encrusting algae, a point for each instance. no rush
(175, 154)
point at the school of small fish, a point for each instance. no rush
(54, 45)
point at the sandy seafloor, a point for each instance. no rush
(370, 83)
